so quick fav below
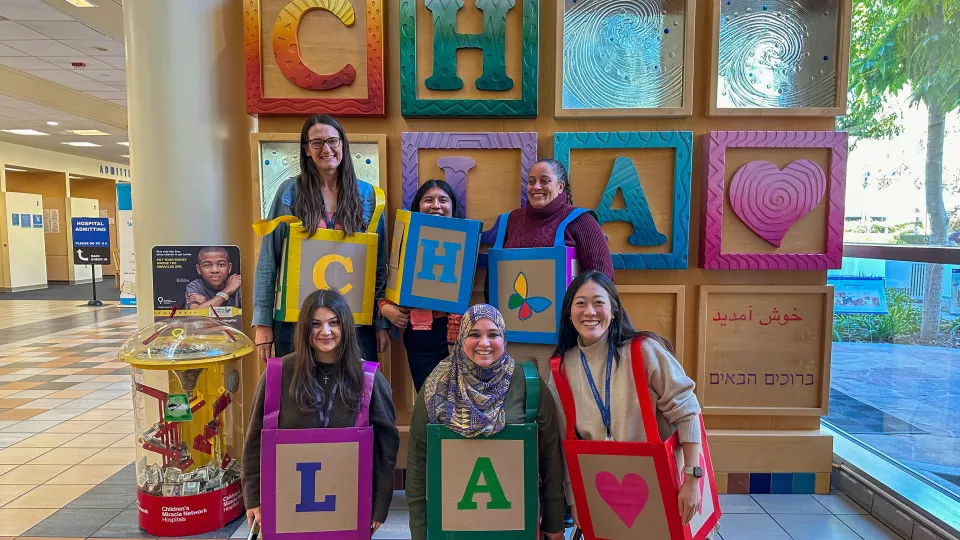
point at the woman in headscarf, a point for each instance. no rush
(477, 391)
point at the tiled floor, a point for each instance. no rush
(66, 445)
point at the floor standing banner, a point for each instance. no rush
(128, 281)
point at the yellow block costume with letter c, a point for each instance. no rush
(327, 260)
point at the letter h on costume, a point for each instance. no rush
(432, 261)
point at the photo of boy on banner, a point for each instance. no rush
(629, 489)
(201, 281)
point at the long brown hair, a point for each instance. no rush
(348, 370)
(621, 330)
(309, 203)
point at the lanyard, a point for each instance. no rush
(603, 405)
(323, 416)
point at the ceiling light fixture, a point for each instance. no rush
(82, 144)
(124, 143)
(81, 3)
(87, 132)
(24, 132)
(125, 155)
(14, 169)
(53, 123)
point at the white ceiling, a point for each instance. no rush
(19, 114)
(39, 39)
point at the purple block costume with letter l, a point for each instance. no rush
(326, 474)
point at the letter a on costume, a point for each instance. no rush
(491, 484)
(637, 213)
(320, 271)
(447, 261)
(308, 491)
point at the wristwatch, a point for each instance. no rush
(223, 295)
(696, 472)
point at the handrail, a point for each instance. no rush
(898, 252)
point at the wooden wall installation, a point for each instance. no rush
(477, 156)
(490, 79)
(343, 38)
(625, 58)
(773, 200)
(764, 350)
(779, 57)
(276, 157)
(652, 230)
(657, 308)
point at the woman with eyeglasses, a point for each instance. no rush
(326, 195)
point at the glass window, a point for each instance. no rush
(894, 388)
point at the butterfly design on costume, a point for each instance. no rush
(519, 299)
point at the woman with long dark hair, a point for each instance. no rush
(594, 349)
(477, 391)
(322, 387)
(426, 347)
(325, 195)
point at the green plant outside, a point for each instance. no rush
(902, 318)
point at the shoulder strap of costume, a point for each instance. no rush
(377, 210)
(501, 230)
(369, 375)
(265, 227)
(273, 389)
(647, 413)
(532, 381)
(577, 212)
(566, 397)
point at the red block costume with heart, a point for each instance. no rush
(626, 490)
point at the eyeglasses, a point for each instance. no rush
(317, 144)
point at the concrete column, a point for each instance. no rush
(189, 142)
(189, 132)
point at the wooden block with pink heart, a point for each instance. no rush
(773, 200)
(629, 489)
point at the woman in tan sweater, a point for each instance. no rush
(594, 339)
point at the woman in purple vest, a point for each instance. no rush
(322, 387)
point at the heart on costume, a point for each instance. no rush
(770, 200)
(626, 498)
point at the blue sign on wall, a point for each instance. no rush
(37, 221)
(16, 220)
(24, 221)
(91, 240)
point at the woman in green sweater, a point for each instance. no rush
(478, 390)
(322, 387)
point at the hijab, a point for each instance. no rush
(463, 396)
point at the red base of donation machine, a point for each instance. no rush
(187, 516)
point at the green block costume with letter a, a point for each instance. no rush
(486, 491)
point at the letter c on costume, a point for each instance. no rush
(320, 271)
(286, 45)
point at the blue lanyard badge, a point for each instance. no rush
(602, 404)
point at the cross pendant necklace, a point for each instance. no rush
(326, 376)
